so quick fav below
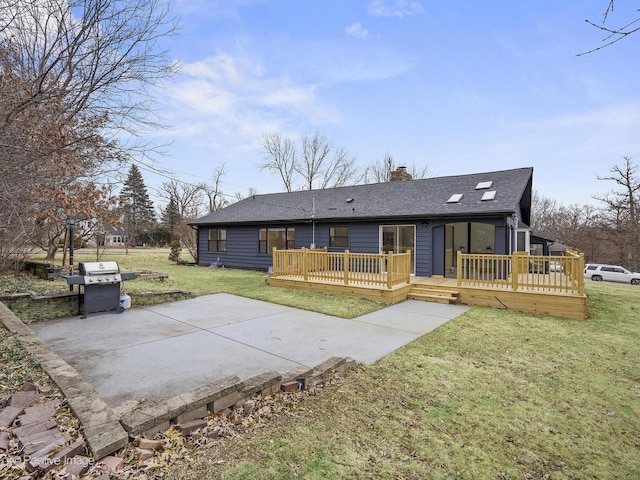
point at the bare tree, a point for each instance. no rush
(580, 226)
(624, 202)
(188, 238)
(187, 196)
(577, 226)
(621, 207)
(317, 166)
(190, 204)
(418, 172)
(544, 216)
(241, 196)
(98, 56)
(315, 150)
(280, 157)
(341, 171)
(615, 34)
(74, 76)
(379, 171)
(605, 235)
(217, 199)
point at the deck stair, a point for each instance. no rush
(433, 293)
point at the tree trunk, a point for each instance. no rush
(51, 252)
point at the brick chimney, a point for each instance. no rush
(400, 175)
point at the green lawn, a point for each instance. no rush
(492, 394)
(203, 281)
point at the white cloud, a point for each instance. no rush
(284, 95)
(234, 97)
(356, 30)
(395, 8)
(373, 68)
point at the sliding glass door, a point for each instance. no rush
(399, 239)
(466, 237)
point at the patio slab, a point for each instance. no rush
(164, 350)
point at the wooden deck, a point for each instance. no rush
(531, 300)
(376, 293)
(533, 290)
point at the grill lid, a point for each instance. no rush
(98, 268)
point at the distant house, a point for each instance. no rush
(433, 218)
(557, 248)
(115, 238)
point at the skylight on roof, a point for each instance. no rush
(484, 185)
(488, 195)
(455, 198)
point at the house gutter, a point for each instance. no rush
(313, 219)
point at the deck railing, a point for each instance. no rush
(523, 272)
(343, 267)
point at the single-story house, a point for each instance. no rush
(557, 248)
(433, 218)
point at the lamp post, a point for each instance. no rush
(72, 222)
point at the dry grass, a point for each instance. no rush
(492, 394)
(204, 281)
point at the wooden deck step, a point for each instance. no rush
(422, 287)
(429, 293)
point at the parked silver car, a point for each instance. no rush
(610, 273)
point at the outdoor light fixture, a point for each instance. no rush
(72, 222)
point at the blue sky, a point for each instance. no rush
(458, 86)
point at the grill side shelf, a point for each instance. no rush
(74, 279)
(128, 275)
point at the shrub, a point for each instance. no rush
(174, 254)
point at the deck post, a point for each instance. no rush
(407, 273)
(305, 265)
(346, 267)
(515, 270)
(273, 260)
(579, 274)
(459, 269)
(390, 271)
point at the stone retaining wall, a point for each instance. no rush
(30, 307)
(105, 433)
(227, 392)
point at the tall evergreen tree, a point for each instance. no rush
(171, 217)
(138, 217)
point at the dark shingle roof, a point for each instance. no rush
(414, 198)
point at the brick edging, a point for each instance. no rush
(102, 431)
(106, 434)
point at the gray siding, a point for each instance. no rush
(437, 267)
(242, 247)
(242, 242)
(424, 250)
(363, 237)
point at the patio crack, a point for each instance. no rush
(211, 331)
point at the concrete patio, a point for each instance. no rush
(164, 350)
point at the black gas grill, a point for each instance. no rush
(101, 283)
